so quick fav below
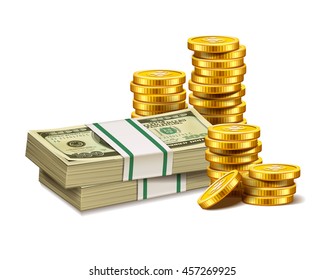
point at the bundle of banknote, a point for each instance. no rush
(76, 162)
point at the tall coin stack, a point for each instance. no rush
(270, 184)
(158, 91)
(232, 147)
(216, 80)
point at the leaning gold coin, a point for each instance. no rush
(219, 189)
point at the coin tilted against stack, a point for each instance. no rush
(219, 69)
(270, 184)
(219, 189)
(157, 92)
(232, 147)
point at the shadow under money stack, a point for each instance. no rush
(102, 164)
(216, 80)
(157, 91)
(232, 147)
(270, 184)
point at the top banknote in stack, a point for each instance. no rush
(77, 156)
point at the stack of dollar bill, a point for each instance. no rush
(78, 165)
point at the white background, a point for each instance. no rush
(68, 62)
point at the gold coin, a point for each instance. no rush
(215, 174)
(266, 184)
(155, 90)
(158, 106)
(239, 109)
(251, 151)
(241, 52)
(220, 63)
(230, 145)
(220, 72)
(219, 189)
(267, 200)
(274, 172)
(159, 77)
(234, 132)
(211, 157)
(244, 121)
(143, 113)
(213, 44)
(221, 119)
(227, 96)
(216, 80)
(214, 89)
(165, 98)
(238, 191)
(228, 167)
(213, 103)
(134, 115)
(270, 191)
(221, 96)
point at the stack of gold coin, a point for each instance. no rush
(216, 80)
(158, 91)
(232, 147)
(270, 184)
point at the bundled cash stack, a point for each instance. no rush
(108, 163)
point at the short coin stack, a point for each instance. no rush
(232, 147)
(216, 80)
(270, 184)
(157, 91)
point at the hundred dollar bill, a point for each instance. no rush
(77, 156)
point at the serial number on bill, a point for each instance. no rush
(211, 270)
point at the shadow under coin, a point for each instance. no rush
(229, 201)
(298, 199)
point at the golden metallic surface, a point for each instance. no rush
(280, 191)
(251, 151)
(221, 96)
(228, 167)
(274, 172)
(221, 119)
(219, 189)
(216, 158)
(216, 80)
(240, 52)
(213, 44)
(265, 184)
(233, 132)
(239, 109)
(244, 121)
(155, 90)
(135, 115)
(230, 145)
(215, 174)
(159, 77)
(267, 200)
(238, 191)
(213, 89)
(143, 113)
(213, 103)
(158, 107)
(220, 72)
(164, 98)
(217, 63)
(150, 113)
